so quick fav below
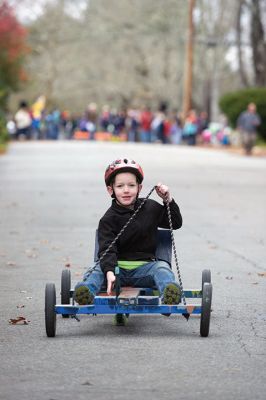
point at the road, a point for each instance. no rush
(52, 195)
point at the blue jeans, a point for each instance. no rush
(154, 273)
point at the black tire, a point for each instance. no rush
(65, 288)
(120, 319)
(206, 277)
(206, 303)
(50, 315)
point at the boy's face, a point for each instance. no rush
(125, 188)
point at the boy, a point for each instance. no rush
(134, 251)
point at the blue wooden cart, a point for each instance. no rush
(129, 300)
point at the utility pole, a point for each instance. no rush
(187, 94)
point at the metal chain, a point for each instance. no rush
(126, 224)
(175, 253)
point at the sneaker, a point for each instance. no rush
(171, 294)
(83, 296)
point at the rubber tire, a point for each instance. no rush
(206, 303)
(206, 277)
(50, 315)
(65, 288)
(120, 319)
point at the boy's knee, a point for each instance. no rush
(163, 265)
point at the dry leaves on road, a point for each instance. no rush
(31, 253)
(262, 274)
(18, 321)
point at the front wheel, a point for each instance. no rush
(206, 309)
(50, 315)
(120, 319)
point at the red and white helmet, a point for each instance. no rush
(123, 165)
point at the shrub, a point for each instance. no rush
(3, 131)
(232, 104)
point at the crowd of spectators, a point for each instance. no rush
(134, 125)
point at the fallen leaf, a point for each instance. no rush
(44, 241)
(20, 306)
(261, 273)
(11, 264)
(18, 321)
(255, 283)
(229, 278)
(31, 254)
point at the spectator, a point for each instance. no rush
(132, 125)
(190, 129)
(92, 116)
(23, 121)
(175, 128)
(145, 121)
(37, 110)
(158, 124)
(105, 118)
(247, 123)
(52, 122)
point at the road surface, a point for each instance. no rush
(52, 195)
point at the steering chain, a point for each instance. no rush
(172, 239)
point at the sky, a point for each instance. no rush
(28, 10)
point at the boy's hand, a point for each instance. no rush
(163, 192)
(110, 281)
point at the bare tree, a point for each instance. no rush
(258, 42)
(242, 71)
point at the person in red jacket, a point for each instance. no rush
(145, 125)
(134, 251)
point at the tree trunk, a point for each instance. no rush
(258, 44)
(242, 72)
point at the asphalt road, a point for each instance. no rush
(51, 198)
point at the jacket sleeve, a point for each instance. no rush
(106, 234)
(176, 216)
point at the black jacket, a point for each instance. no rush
(138, 241)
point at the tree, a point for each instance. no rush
(252, 13)
(13, 49)
(258, 42)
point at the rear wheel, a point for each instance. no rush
(65, 288)
(206, 309)
(206, 277)
(50, 315)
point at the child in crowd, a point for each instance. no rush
(134, 251)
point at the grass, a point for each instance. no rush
(3, 147)
(261, 143)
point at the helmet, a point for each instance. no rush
(123, 165)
